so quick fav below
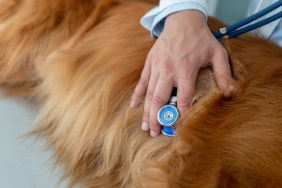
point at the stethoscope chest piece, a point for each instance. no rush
(168, 131)
(167, 116)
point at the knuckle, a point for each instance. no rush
(223, 74)
(145, 116)
(190, 68)
(226, 74)
(150, 93)
(184, 102)
(189, 64)
(153, 124)
(157, 101)
(134, 98)
(165, 69)
(137, 94)
(222, 52)
(143, 82)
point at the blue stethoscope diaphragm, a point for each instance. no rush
(168, 131)
(167, 116)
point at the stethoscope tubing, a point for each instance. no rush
(231, 31)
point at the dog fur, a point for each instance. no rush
(81, 60)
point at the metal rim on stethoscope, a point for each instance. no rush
(168, 109)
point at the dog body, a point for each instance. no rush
(82, 59)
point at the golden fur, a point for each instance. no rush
(81, 60)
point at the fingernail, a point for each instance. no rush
(132, 104)
(153, 133)
(145, 126)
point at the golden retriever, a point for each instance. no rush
(81, 60)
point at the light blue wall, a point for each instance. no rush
(231, 11)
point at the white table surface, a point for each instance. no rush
(23, 162)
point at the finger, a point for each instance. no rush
(222, 72)
(160, 98)
(141, 87)
(149, 95)
(186, 89)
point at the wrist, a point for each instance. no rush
(187, 17)
(190, 20)
(155, 19)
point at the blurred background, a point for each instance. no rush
(23, 162)
(228, 11)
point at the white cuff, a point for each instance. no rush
(155, 18)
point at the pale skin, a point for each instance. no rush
(184, 47)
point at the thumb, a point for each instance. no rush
(222, 72)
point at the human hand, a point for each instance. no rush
(184, 47)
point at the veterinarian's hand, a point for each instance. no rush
(184, 46)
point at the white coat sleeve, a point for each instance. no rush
(155, 18)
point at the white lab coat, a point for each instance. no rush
(273, 30)
(154, 19)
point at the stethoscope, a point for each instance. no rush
(238, 29)
(169, 114)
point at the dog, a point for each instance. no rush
(81, 59)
